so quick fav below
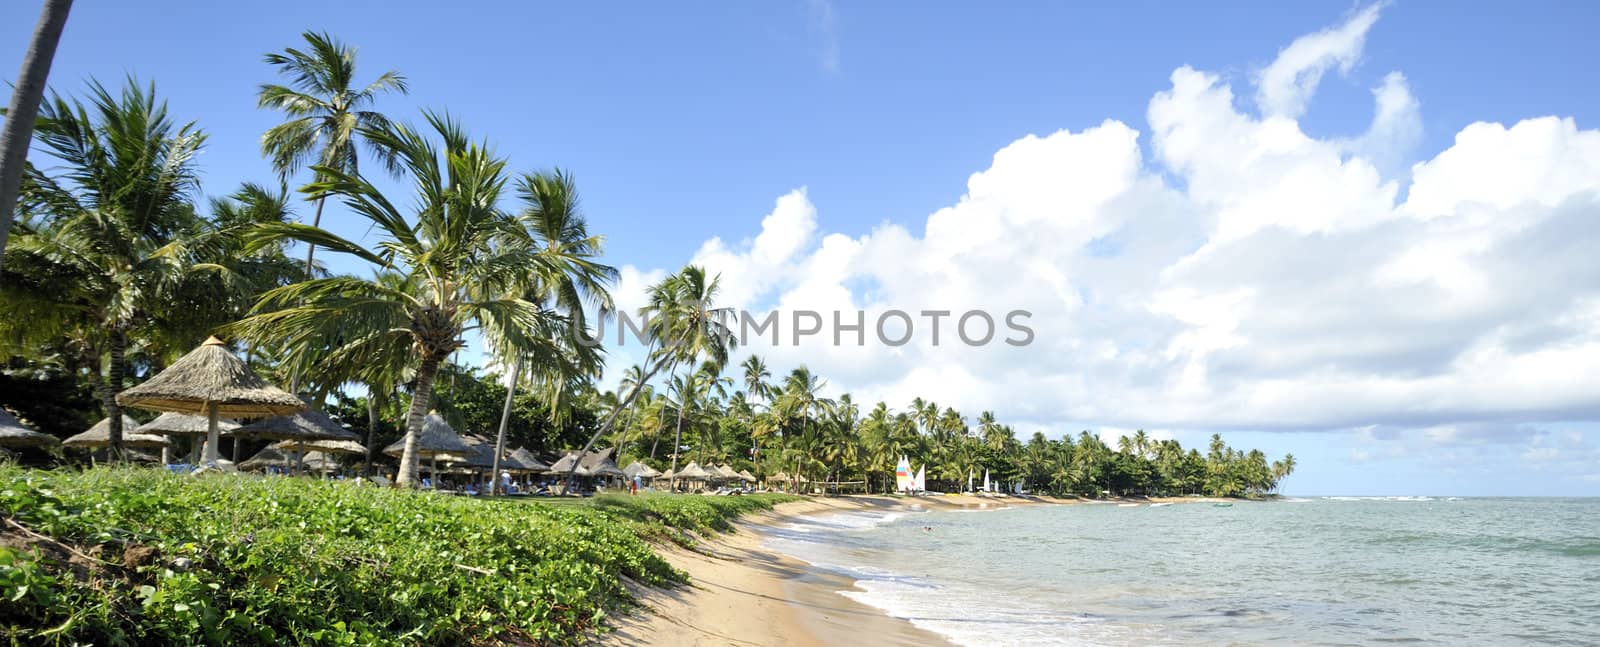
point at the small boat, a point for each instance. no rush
(1127, 505)
(1161, 505)
(1222, 505)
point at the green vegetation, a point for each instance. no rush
(139, 556)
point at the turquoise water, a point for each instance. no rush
(1330, 571)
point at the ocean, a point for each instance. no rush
(1325, 571)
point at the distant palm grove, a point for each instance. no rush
(118, 265)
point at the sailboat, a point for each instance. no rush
(986, 487)
(902, 475)
(921, 484)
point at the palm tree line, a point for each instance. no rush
(118, 267)
(788, 426)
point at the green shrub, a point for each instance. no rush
(139, 556)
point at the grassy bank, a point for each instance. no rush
(136, 556)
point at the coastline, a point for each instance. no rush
(743, 593)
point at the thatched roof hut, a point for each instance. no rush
(436, 438)
(305, 425)
(100, 435)
(14, 434)
(595, 463)
(724, 472)
(746, 476)
(211, 381)
(528, 462)
(182, 424)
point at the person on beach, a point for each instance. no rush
(633, 488)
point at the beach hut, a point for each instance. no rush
(100, 435)
(727, 474)
(746, 476)
(525, 461)
(210, 380)
(13, 434)
(434, 441)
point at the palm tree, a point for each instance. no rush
(684, 327)
(755, 385)
(569, 276)
(801, 402)
(326, 112)
(118, 231)
(458, 266)
(17, 133)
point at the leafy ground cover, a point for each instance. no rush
(125, 556)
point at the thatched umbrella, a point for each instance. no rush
(324, 446)
(273, 457)
(210, 380)
(435, 439)
(746, 476)
(182, 424)
(14, 434)
(307, 425)
(641, 471)
(100, 435)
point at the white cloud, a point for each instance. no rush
(1244, 275)
(1285, 87)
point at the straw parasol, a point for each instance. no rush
(305, 425)
(726, 472)
(100, 435)
(639, 470)
(210, 380)
(434, 440)
(324, 446)
(183, 424)
(271, 456)
(693, 472)
(14, 434)
(746, 476)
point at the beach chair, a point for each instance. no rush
(379, 480)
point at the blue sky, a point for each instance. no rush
(695, 122)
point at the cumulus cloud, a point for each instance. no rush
(1242, 275)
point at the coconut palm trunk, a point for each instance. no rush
(505, 421)
(372, 428)
(421, 399)
(25, 98)
(677, 440)
(116, 370)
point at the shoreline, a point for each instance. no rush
(743, 593)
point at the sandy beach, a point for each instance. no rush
(744, 594)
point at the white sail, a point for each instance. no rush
(969, 480)
(902, 475)
(921, 484)
(986, 487)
